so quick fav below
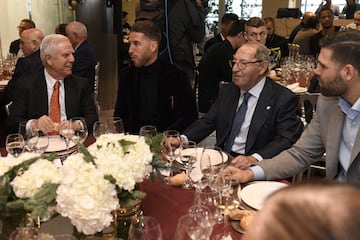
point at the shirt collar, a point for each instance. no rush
(50, 81)
(256, 90)
(350, 111)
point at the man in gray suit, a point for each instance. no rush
(335, 126)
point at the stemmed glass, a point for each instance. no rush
(99, 128)
(171, 148)
(15, 144)
(226, 200)
(42, 143)
(114, 125)
(188, 157)
(148, 130)
(66, 131)
(145, 228)
(216, 156)
(205, 167)
(30, 136)
(80, 129)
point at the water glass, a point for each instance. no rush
(42, 143)
(30, 136)
(148, 130)
(99, 128)
(15, 144)
(145, 228)
(80, 129)
(171, 148)
(188, 158)
(115, 125)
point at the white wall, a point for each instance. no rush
(45, 13)
(12, 11)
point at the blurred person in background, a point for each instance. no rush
(304, 20)
(15, 45)
(226, 22)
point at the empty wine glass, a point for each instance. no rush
(99, 128)
(171, 148)
(205, 167)
(66, 131)
(145, 228)
(193, 227)
(188, 157)
(216, 156)
(15, 144)
(30, 136)
(148, 130)
(80, 129)
(115, 125)
(42, 143)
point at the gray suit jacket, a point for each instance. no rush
(322, 134)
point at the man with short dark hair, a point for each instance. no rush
(255, 30)
(326, 19)
(226, 22)
(335, 126)
(152, 91)
(214, 66)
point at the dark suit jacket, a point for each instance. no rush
(31, 100)
(274, 126)
(212, 41)
(176, 100)
(14, 46)
(85, 61)
(24, 67)
(213, 68)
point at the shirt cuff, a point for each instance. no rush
(259, 173)
(257, 156)
(185, 138)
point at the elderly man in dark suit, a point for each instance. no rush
(269, 123)
(32, 100)
(15, 45)
(85, 57)
(151, 91)
(30, 40)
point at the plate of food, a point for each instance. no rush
(255, 194)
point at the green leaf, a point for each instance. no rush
(110, 178)
(155, 142)
(16, 204)
(125, 144)
(87, 156)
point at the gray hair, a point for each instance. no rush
(78, 29)
(50, 44)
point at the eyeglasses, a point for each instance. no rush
(242, 65)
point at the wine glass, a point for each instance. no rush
(42, 143)
(80, 129)
(206, 198)
(171, 148)
(193, 226)
(30, 136)
(15, 144)
(115, 125)
(99, 128)
(205, 167)
(145, 228)
(216, 156)
(148, 130)
(226, 200)
(66, 131)
(188, 157)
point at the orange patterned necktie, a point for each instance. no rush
(55, 104)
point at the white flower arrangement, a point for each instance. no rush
(30, 182)
(88, 187)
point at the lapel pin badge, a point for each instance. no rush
(268, 108)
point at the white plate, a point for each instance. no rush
(196, 173)
(256, 193)
(214, 157)
(57, 144)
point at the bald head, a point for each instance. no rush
(30, 40)
(307, 16)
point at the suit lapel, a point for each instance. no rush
(334, 131)
(40, 92)
(262, 110)
(356, 148)
(69, 94)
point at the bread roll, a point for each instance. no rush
(246, 220)
(178, 180)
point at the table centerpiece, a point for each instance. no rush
(90, 185)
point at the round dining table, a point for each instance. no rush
(164, 202)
